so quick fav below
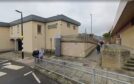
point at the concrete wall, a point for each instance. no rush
(76, 49)
(5, 42)
(114, 56)
(127, 36)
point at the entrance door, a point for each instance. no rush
(19, 44)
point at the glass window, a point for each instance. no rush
(52, 26)
(11, 30)
(68, 24)
(74, 27)
(39, 29)
(18, 30)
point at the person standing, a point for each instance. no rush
(98, 47)
(41, 54)
(35, 54)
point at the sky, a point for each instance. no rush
(103, 12)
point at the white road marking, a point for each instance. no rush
(2, 74)
(3, 61)
(28, 73)
(13, 67)
(9, 63)
(36, 78)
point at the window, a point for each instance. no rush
(74, 27)
(17, 26)
(68, 24)
(11, 30)
(52, 26)
(39, 29)
(18, 30)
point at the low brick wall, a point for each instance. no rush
(114, 56)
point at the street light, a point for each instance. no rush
(21, 21)
(21, 29)
(91, 23)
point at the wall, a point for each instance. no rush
(27, 34)
(76, 49)
(114, 56)
(33, 41)
(38, 39)
(5, 42)
(51, 33)
(68, 30)
(61, 29)
(126, 35)
(15, 31)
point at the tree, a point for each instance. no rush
(107, 36)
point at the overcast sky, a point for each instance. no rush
(103, 12)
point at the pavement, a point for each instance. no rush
(17, 73)
(78, 69)
(90, 61)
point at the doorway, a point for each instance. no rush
(19, 42)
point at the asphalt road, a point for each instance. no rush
(16, 73)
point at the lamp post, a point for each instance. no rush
(91, 23)
(22, 54)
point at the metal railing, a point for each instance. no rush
(85, 75)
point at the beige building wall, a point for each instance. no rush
(127, 36)
(32, 40)
(28, 37)
(5, 42)
(76, 49)
(15, 31)
(65, 30)
(38, 39)
(51, 34)
(61, 29)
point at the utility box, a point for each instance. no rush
(57, 46)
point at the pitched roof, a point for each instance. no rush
(64, 18)
(41, 19)
(4, 24)
(29, 18)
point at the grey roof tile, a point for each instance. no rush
(64, 18)
(28, 18)
(4, 24)
(41, 19)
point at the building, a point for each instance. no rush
(39, 32)
(123, 27)
(5, 42)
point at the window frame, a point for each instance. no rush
(68, 24)
(39, 29)
(74, 27)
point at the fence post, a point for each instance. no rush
(94, 76)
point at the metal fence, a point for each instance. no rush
(85, 75)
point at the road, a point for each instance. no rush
(16, 73)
